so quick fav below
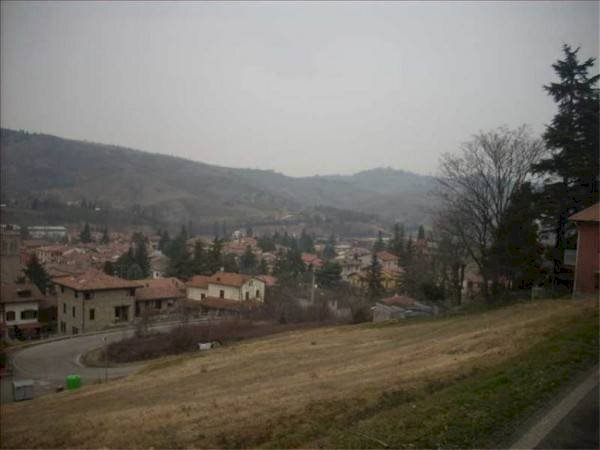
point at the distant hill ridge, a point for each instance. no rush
(178, 189)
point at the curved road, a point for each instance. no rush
(48, 364)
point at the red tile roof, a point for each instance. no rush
(198, 281)
(17, 293)
(95, 280)
(229, 279)
(591, 214)
(159, 288)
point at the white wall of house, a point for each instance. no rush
(254, 287)
(195, 293)
(229, 292)
(18, 309)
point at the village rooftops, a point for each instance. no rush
(591, 214)
(95, 280)
(18, 293)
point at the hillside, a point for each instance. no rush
(176, 190)
(453, 382)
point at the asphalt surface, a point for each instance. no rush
(579, 428)
(49, 363)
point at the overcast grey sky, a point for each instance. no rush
(301, 88)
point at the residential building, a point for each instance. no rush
(226, 292)
(19, 309)
(53, 233)
(93, 301)
(159, 296)
(10, 256)
(588, 250)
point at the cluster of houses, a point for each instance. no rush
(83, 298)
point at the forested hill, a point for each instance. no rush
(176, 190)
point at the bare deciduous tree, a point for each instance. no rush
(474, 188)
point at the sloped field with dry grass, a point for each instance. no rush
(241, 395)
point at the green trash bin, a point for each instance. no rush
(73, 382)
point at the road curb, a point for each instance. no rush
(536, 433)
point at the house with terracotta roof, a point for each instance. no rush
(588, 250)
(226, 292)
(159, 296)
(311, 260)
(19, 310)
(93, 301)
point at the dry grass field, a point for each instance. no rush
(238, 395)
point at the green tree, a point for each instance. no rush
(199, 261)
(263, 269)
(329, 276)
(374, 285)
(105, 238)
(215, 257)
(141, 254)
(379, 245)
(108, 268)
(164, 242)
(37, 274)
(329, 250)
(306, 242)
(396, 245)
(266, 243)
(421, 232)
(85, 236)
(248, 261)
(230, 263)
(517, 250)
(24, 231)
(572, 170)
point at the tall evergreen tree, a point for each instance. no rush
(248, 261)
(230, 264)
(37, 274)
(329, 250)
(108, 268)
(305, 242)
(215, 257)
(86, 235)
(263, 269)
(572, 170)
(374, 284)
(421, 232)
(105, 238)
(164, 242)
(141, 255)
(397, 242)
(330, 275)
(379, 245)
(199, 261)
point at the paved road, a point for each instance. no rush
(572, 422)
(49, 363)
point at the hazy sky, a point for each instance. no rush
(301, 88)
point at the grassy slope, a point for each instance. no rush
(452, 382)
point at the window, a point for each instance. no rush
(132, 292)
(64, 308)
(73, 311)
(258, 293)
(157, 304)
(76, 294)
(221, 293)
(74, 330)
(28, 314)
(88, 295)
(121, 313)
(202, 296)
(63, 327)
(10, 316)
(247, 295)
(62, 289)
(92, 314)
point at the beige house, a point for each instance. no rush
(158, 296)
(94, 301)
(19, 307)
(225, 291)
